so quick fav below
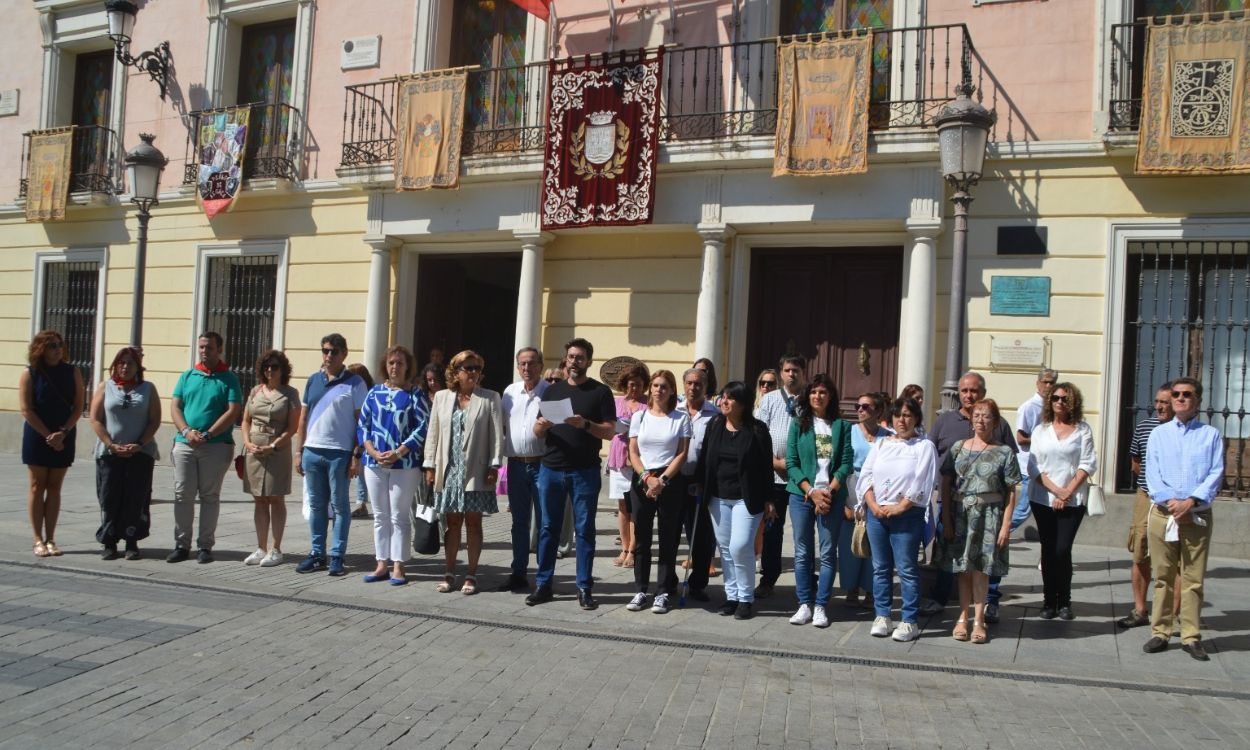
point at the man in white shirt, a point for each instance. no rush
(1028, 417)
(524, 451)
(697, 521)
(776, 410)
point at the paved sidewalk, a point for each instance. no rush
(1088, 651)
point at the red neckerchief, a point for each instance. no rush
(221, 367)
(125, 383)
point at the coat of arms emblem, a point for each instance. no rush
(600, 146)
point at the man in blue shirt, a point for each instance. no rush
(1184, 468)
(333, 398)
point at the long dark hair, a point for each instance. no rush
(804, 408)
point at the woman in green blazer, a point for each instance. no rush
(819, 458)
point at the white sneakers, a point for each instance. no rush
(881, 627)
(254, 558)
(803, 616)
(637, 603)
(905, 632)
(660, 607)
(273, 558)
(819, 618)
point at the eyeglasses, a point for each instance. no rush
(553, 380)
(471, 368)
(1059, 399)
(1184, 394)
(272, 366)
(863, 407)
(328, 352)
(768, 384)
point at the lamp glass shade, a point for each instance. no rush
(121, 24)
(144, 181)
(962, 149)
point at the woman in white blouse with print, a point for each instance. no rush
(658, 438)
(895, 484)
(1063, 449)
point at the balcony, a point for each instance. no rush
(1128, 64)
(272, 151)
(93, 163)
(711, 93)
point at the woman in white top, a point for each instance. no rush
(658, 439)
(895, 484)
(1063, 449)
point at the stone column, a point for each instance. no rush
(529, 296)
(919, 319)
(378, 303)
(709, 324)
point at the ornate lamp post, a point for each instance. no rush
(963, 131)
(156, 62)
(144, 164)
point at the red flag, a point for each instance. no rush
(540, 8)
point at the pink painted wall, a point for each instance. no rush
(23, 71)
(584, 24)
(1040, 60)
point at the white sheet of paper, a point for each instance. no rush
(557, 411)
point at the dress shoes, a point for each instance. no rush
(541, 595)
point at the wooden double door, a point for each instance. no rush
(837, 307)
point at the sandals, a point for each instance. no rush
(629, 561)
(53, 550)
(40, 549)
(470, 586)
(979, 635)
(619, 562)
(449, 582)
(960, 633)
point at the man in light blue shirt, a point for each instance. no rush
(1184, 469)
(776, 410)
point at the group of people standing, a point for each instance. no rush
(686, 458)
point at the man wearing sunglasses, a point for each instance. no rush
(1184, 469)
(333, 398)
(777, 410)
(1138, 545)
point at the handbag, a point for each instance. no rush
(238, 465)
(425, 532)
(859, 540)
(1095, 501)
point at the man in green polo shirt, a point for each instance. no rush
(207, 402)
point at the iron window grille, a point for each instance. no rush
(240, 306)
(70, 299)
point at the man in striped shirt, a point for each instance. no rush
(1137, 544)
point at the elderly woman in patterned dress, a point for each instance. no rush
(985, 476)
(463, 453)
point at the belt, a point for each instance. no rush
(526, 459)
(983, 498)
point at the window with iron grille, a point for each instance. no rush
(241, 294)
(70, 299)
(1188, 313)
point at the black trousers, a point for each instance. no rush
(1057, 530)
(667, 508)
(124, 489)
(696, 520)
(774, 537)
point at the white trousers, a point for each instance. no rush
(391, 492)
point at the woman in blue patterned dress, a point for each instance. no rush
(985, 476)
(392, 429)
(463, 453)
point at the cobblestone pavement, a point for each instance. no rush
(147, 654)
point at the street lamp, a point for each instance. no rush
(156, 62)
(963, 131)
(144, 164)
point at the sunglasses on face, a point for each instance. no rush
(553, 380)
(863, 407)
(1184, 394)
(328, 352)
(54, 345)
(768, 384)
(1059, 399)
(471, 368)
(272, 366)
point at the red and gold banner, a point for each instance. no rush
(603, 128)
(48, 174)
(1196, 99)
(822, 106)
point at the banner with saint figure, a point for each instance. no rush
(602, 137)
(822, 106)
(48, 174)
(221, 144)
(429, 124)
(1195, 115)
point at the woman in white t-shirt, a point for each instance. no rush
(658, 439)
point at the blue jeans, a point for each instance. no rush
(803, 520)
(735, 527)
(325, 473)
(894, 542)
(853, 572)
(522, 492)
(554, 486)
(774, 537)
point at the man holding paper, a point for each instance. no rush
(577, 415)
(1184, 468)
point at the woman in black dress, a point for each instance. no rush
(50, 395)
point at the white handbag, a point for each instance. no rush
(1095, 501)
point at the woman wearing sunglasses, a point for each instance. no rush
(765, 384)
(1063, 448)
(855, 573)
(463, 453)
(270, 421)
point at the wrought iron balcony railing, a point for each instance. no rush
(711, 92)
(93, 163)
(271, 150)
(1128, 57)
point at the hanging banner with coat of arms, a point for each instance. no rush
(48, 174)
(822, 106)
(429, 124)
(603, 128)
(1195, 115)
(221, 144)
